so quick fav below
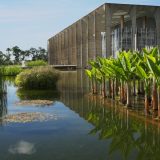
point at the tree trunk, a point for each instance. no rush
(113, 89)
(110, 89)
(104, 87)
(129, 104)
(134, 87)
(158, 101)
(146, 103)
(117, 87)
(154, 96)
(94, 86)
(142, 87)
(139, 87)
(122, 94)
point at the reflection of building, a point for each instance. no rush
(119, 26)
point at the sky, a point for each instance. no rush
(30, 23)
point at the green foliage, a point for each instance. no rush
(16, 55)
(37, 78)
(10, 70)
(144, 66)
(5, 59)
(36, 63)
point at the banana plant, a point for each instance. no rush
(124, 69)
(108, 73)
(142, 71)
(153, 63)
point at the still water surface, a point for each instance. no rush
(84, 127)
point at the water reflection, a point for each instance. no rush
(3, 99)
(22, 147)
(128, 137)
(123, 136)
(35, 95)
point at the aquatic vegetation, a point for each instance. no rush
(38, 78)
(36, 63)
(28, 117)
(34, 102)
(122, 73)
(10, 70)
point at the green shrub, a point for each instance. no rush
(37, 78)
(36, 63)
(10, 70)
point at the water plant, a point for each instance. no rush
(127, 68)
(37, 78)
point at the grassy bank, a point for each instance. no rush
(10, 70)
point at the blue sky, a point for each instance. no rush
(29, 23)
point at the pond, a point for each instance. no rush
(77, 126)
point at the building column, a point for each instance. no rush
(79, 43)
(157, 19)
(122, 30)
(84, 42)
(52, 52)
(134, 28)
(56, 52)
(98, 36)
(74, 45)
(49, 51)
(58, 48)
(69, 46)
(108, 23)
(91, 37)
(66, 46)
(62, 48)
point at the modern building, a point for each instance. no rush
(105, 31)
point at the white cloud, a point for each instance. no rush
(22, 147)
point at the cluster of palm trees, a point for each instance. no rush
(127, 75)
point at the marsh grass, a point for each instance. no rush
(10, 70)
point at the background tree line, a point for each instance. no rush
(15, 55)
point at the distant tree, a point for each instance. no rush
(8, 50)
(20, 55)
(38, 54)
(8, 60)
(16, 51)
(1, 58)
(42, 54)
(33, 53)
